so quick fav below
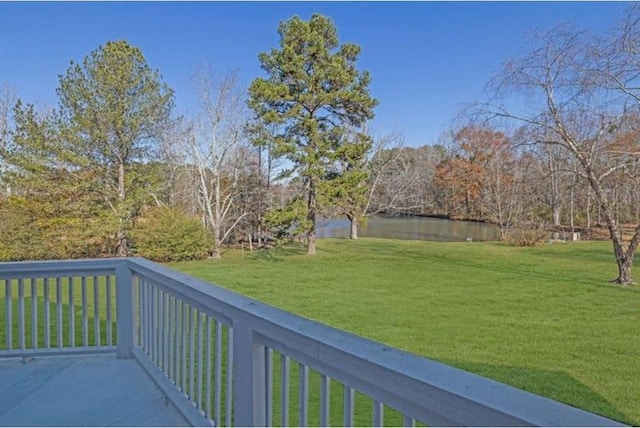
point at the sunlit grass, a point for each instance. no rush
(543, 319)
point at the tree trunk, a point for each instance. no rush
(215, 253)
(623, 260)
(122, 250)
(353, 234)
(625, 263)
(312, 241)
(311, 217)
(556, 213)
(624, 257)
(588, 207)
(571, 203)
(503, 232)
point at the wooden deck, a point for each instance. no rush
(81, 391)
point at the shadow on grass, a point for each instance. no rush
(556, 385)
(280, 253)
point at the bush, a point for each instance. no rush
(529, 237)
(34, 229)
(167, 235)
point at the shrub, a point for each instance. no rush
(529, 237)
(168, 235)
(35, 229)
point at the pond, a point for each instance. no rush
(417, 228)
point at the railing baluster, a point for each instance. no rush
(139, 310)
(108, 309)
(167, 332)
(151, 315)
(59, 326)
(165, 319)
(158, 326)
(179, 336)
(408, 421)
(349, 401)
(325, 382)
(303, 392)
(148, 331)
(96, 311)
(172, 336)
(161, 361)
(218, 375)
(72, 315)
(230, 368)
(284, 391)
(192, 352)
(8, 314)
(208, 368)
(85, 314)
(200, 350)
(154, 322)
(21, 321)
(185, 310)
(136, 305)
(34, 313)
(143, 315)
(378, 414)
(47, 315)
(268, 360)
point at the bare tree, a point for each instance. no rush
(568, 106)
(502, 182)
(402, 177)
(7, 101)
(213, 150)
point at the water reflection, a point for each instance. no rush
(420, 228)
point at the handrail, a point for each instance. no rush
(58, 268)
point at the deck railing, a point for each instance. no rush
(58, 307)
(225, 359)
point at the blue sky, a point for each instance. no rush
(426, 58)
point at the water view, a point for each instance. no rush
(421, 228)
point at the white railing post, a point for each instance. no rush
(124, 310)
(249, 378)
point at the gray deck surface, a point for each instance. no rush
(81, 391)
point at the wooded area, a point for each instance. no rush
(113, 171)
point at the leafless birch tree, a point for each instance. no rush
(569, 103)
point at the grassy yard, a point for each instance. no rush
(542, 319)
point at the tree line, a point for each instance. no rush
(112, 170)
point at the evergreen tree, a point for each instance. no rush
(114, 109)
(313, 94)
(348, 188)
(49, 213)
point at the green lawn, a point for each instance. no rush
(543, 319)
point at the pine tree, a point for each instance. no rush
(114, 109)
(313, 94)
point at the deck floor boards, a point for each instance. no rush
(81, 391)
